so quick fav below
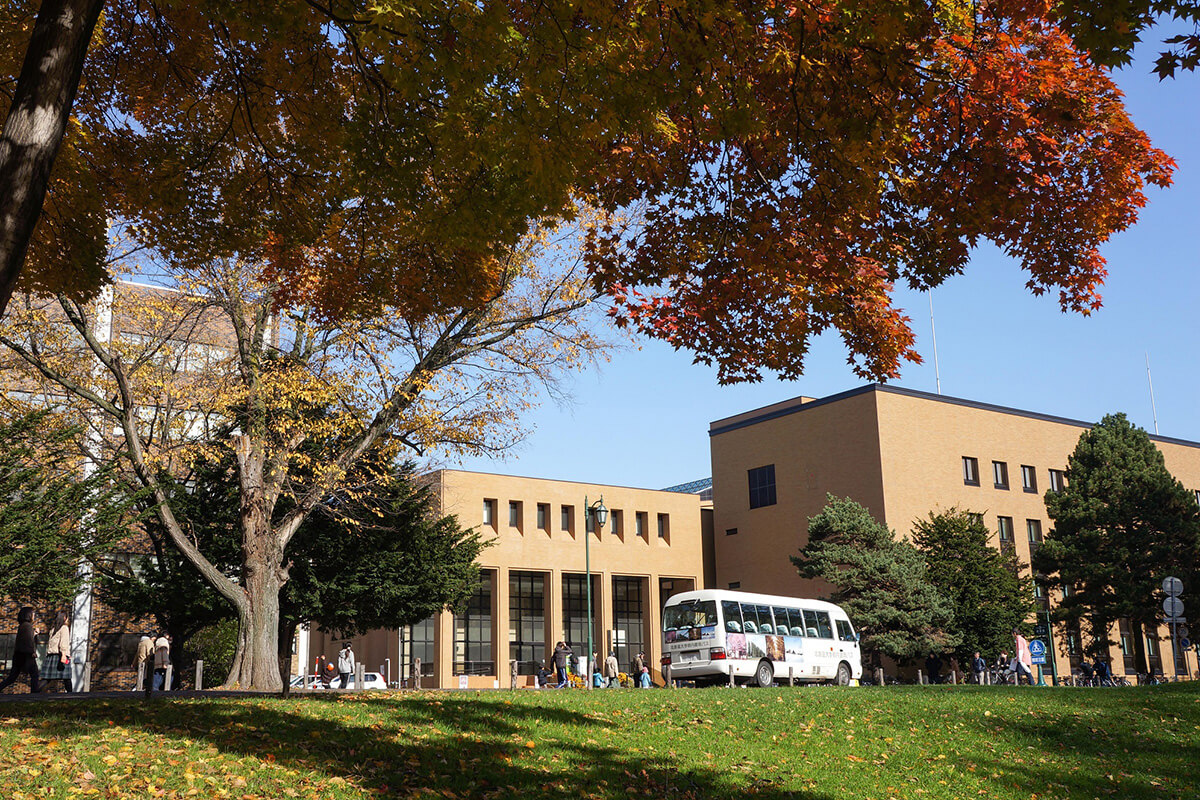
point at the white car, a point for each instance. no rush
(371, 680)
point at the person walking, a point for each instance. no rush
(24, 652)
(143, 662)
(612, 670)
(58, 650)
(162, 660)
(345, 665)
(978, 667)
(1022, 659)
(933, 668)
(639, 661)
(562, 654)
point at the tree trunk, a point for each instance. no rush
(36, 122)
(256, 663)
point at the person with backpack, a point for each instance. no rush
(345, 665)
(162, 660)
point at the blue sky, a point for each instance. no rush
(642, 419)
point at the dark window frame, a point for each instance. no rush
(1000, 475)
(761, 482)
(1029, 479)
(970, 466)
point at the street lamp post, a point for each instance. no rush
(601, 514)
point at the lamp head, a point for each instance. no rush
(601, 512)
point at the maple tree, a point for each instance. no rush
(208, 371)
(794, 159)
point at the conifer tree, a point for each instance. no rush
(881, 582)
(1121, 525)
(986, 592)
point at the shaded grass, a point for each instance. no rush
(810, 743)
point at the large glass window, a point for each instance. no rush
(527, 620)
(629, 618)
(417, 641)
(762, 486)
(731, 610)
(575, 618)
(116, 651)
(473, 632)
(756, 618)
(693, 614)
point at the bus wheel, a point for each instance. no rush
(843, 674)
(764, 676)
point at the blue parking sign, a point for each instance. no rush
(1037, 651)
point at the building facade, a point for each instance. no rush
(902, 454)
(533, 583)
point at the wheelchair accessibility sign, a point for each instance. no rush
(1037, 651)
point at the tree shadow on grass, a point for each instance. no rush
(1148, 749)
(470, 746)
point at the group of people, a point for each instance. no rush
(604, 674)
(1019, 665)
(152, 659)
(58, 651)
(326, 673)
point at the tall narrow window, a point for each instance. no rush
(1057, 480)
(489, 512)
(1034, 528)
(641, 520)
(762, 486)
(1000, 474)
(527, 620)
(664, 526)
(473, 632)
(1005, 529)
(1029, 479)
(616, 522)
(568, 518)
(543, 516)
(629, 609)
(970, 471)
(514, 513)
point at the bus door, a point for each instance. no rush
(821, 644)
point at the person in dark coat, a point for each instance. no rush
(561, 654)
(933, 668)
(24, 652)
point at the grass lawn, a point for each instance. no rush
(917, 743)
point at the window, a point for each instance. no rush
(641, 522)
(616, 519)
(845, 632)
(731, 531)
(527, 620)
(1029, 479)
(489, 512)
(817, 624)
(970, 471)
(417, 641)
(1057, 480)
(629, 603)
(1034, 528)
(1197, 493)
(1000, 474)
(1068, 590)
(473, 632)
(514, 513)
(762, 486)
(574, 621)
(976, 519)
(735, 584)
(543, 516)
(1005, 528)
(568, 518)
(116, 651)
(664, 526)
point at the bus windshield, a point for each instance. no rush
(690, 614)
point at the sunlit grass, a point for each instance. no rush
(895, 742)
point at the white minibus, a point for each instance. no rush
(711, 634)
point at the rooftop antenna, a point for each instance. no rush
(1149, 380)
(937, 372)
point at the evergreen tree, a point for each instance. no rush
(987, 595)
(53, 515)
(1121, 525)
(881, 582)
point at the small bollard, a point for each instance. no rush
(791, 676)
(879, 676)
(167, 678)
(416, 673)
(360, 676)
(730, 677)
(513, 676)
(199, 675)
(87, 677)
(953, 678)
(920, 677)
(141, 677)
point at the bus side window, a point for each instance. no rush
(781, 620)
(810, 624)
(824, 625)
(845, 632)
(797, 617)
(732, 611)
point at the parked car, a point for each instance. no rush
(313, 682)
(371, 680)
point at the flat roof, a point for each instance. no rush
(584, 484)
(799, 404)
